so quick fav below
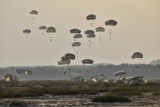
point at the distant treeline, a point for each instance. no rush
(63, 72)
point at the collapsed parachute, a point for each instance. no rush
(24, 71)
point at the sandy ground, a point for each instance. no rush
(82, 101)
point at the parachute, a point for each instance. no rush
(69, 56)
(9, 78)
(64, 62)
(87, 61)
(91, 17)
(99, 30)
(24, 71)
(137, 55)
(26, 32)
(51, 30)
(77, 36)
(43, 28)
(33, 13)
(110, 23)
(76, 45)
(90, 34)
(75, 31)
(119, 73)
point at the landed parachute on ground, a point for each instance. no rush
(24, 71)
(51, 30)
(9, 78)
(119, 73)
(137, 55)
(91, 17)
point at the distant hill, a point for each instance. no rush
(63, 72)
(155, 62)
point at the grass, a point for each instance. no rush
(156, 94)
(39, 88)
(110, 98)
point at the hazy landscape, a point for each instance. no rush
(57, 72)
(79, 53)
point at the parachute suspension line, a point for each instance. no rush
(100, 38)
(33, 19)
(42, 33)
(26, 37)
(77, 53)
(91, 24)
(51, 38)
(70, 74)
(110, 32)
(89, 43)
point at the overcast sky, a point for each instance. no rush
(138, 29)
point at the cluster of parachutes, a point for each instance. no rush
(122, 79)
(91, 33)
(50, 30)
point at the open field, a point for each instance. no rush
(57, 91)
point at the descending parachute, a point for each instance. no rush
(69, 56)
(77, 36)
(110, 23)
(51, 30)
(64, 62)
(75, 31)
(87, 61)
(90, 34)
(91, 17)
(137, 55)
(43, 28)
(76, 45)
(26, 32)
(33, 13)
(100, 29)
(24, 71)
